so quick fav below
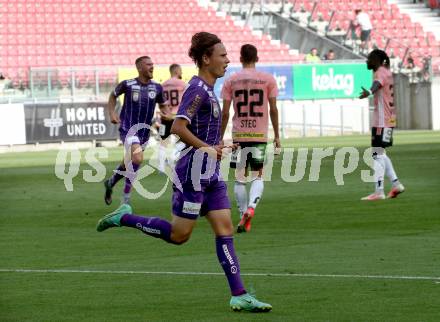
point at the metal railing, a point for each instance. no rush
(61, 82)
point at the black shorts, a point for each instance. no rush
(165, 128)
(365, 35)
(249, 154)
(381, 137)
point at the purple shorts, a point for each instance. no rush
(134, 139)
(190, 203)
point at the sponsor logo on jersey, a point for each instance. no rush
(192, 109)
(247, 135)
(135, 96)
(330, 81)
(215, 108)
(392, 121)
(191, 208)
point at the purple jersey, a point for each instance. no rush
(201, 108)
(139, 103)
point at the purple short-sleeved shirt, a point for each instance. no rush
(139, 103)
(201, 108)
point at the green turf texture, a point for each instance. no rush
(303, 227)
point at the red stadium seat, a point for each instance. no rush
(92, 32)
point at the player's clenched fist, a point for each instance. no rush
(114, 118)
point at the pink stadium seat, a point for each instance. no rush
(387, 20)
(99, 32)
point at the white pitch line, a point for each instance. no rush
(354, 276)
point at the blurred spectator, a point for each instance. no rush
(302, 16)
(426, 71)
(363, 21)
(330, 55)
(4, 83)
(410, 62)
(337, 33)
(410, 69)
(319, 24)
(395, 62)
(313, 56)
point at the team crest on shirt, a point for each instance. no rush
(152, 91)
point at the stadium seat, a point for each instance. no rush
(92, 32)
(387, 20)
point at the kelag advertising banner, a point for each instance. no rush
(55, 122)
(324, 81)
(282, 74)
(295, 82)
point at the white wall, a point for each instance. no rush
(326, 117)
(12, 124)
(435, 103)
(320, 117)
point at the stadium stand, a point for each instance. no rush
(396, 28)
(392, 29)
(103, 33)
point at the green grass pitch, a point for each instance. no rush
(350, 248)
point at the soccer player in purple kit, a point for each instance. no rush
(141, 95)
(198, 124)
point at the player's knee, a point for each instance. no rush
(179, 239)
(137, 158)
(229, 230)
(225, 229)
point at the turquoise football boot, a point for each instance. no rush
(113, 219)
(246, 302)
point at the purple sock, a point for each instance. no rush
(229, 261)
(153, 226)
(116, 176)
(130, 178)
